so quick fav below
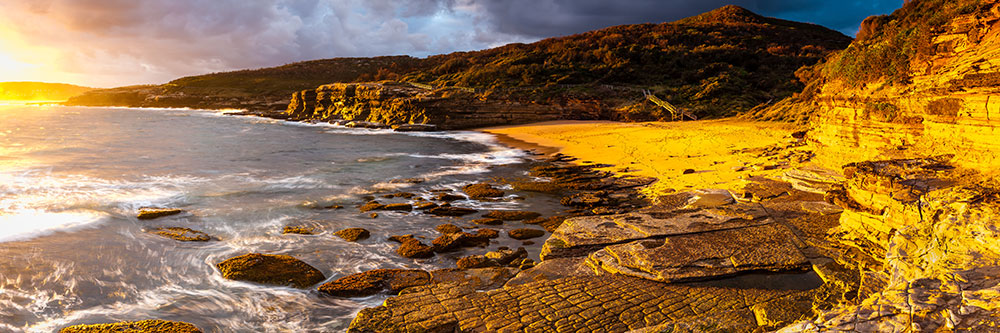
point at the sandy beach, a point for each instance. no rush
(721, 152)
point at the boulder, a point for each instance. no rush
(507, 256)
(482, 191)
(487, 233)
(182, 234)
(149, 213)
(143, 326)
(353, 234)
(375, 281)
(270, 269)
(525, 233)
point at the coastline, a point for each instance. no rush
(716, 154)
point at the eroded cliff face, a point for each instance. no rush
(920, 194)
(394, 103)
(944, 109)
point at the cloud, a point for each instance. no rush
(116, 42)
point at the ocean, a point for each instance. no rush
(72, 179)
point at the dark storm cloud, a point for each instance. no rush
(543, 18)
(115, 42)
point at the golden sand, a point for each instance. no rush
(714, 149)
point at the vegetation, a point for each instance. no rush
(39, 91)
(715, 64)
(882, 55)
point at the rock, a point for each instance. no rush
(525, 233)
(507, 256)
(413, 248)
(476, 261)
(405, 195)
(424, 205)
(447, 197)
(142, 326)
(512, 215)
(371, 205)
(537, 186)
(710, 198)
(611, 303)
(448, 228)
(398, 207)
(450, 242)
(688, 171)
(365, 124)
(182, 234)
(472, 279)
(553, 269)
(375, 281)
(451, 211)
(406, 181)
(353, 234)
(482, 191)
(487, 233)
(298, 229)
(399, 238)
(585, 234)
(148, 213)
(550, 224)
(487, 221)
(585, 199)
(768, 247)
(415, 128)
(271, 269)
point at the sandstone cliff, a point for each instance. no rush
(905, 113)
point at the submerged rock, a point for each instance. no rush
(450, 242)
(375, 281)
(270, 269)
(424, 205)
(487, 221)
(371, 205)
(415, 128)
(182, 234)
(142, 326)
(148, 213)
(353, 234)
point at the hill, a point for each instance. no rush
(39, 91)
(714, 64)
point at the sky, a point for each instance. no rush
(106, 43)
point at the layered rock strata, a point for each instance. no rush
(393, 103)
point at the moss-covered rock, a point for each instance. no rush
(142, 326)
(353, 234)
(270, 269)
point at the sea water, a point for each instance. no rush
(73, 178)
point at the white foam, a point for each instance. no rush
(31, 223)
